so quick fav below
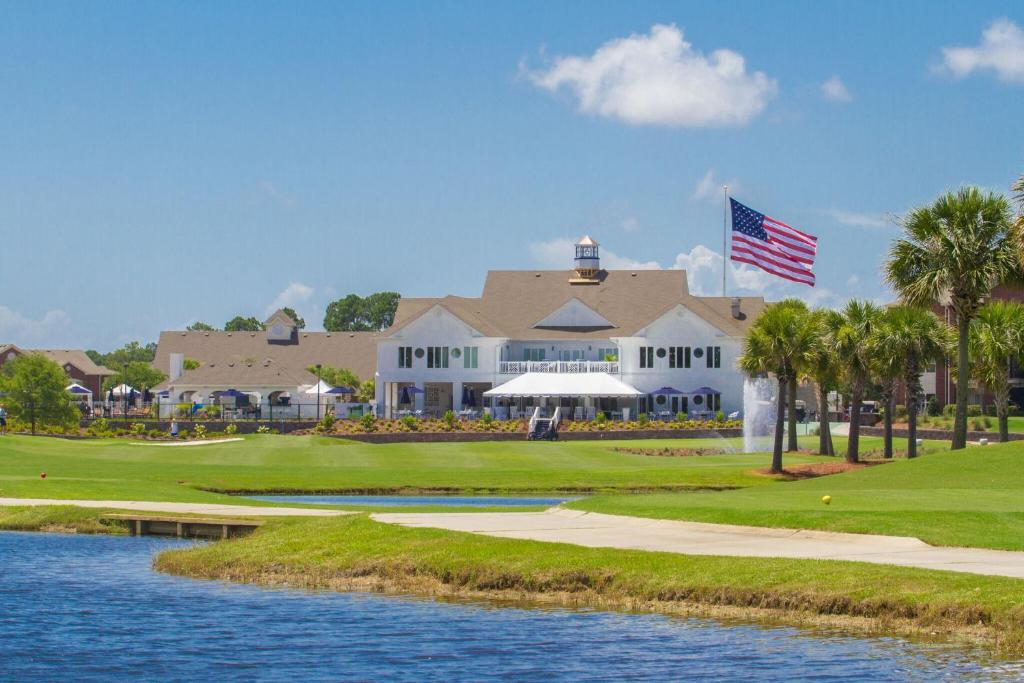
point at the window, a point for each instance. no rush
(405, 356)
(570, 354)
(533, 354)
(437, 356)
(714, 356)
(606, 354)
(469, 357)
(679, 356)
(646, 356)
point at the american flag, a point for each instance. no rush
(772, 245)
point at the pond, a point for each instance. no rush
(90, 608)
(409, 501)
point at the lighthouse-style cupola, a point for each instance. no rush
(587, 263)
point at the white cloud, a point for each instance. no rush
(558, 253)
(859, 220)
(45, 331)
(853, 281)
(660, 79)
(1001, 50)
(296, 295)
(710, 188)
(834, 90)
(630, 224)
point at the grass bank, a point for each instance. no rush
(973, 497)
(355, 553)
(61, 519)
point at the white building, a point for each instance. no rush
(604, 329)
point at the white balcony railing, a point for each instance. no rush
(518, 367)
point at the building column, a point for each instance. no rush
(456, 396)
(419, 399)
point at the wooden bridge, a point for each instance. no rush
(185, 527)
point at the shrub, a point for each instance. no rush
(98, 427)
(410, 423)
(977, 425)
(487, 420)
(183, 434)
(199, 432)
(932, 407)
(326, 423)
(949, 410)
(642, 420)
(449, 419)
(139, 428)
(987, 421)
(973, 410)
(155, 434)
(899, 414)
(183, 409)
(213, 412)
(262, 429)
(368, 422)
(231, 429)
(682, 417)
(720, 416)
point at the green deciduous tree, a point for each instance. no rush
(200, 326)
(138, 375)
(336, 377)
(129, 353)
(34, 391)
(783, 338)
(953, 253)
(850, 344)
(354, 313)
(240, 324)
(997, 337)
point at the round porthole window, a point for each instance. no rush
(660, 400)
(456, 352)
(698, 352)
(419, 353)
(697, 400)
(661, 353)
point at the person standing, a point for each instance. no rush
(3, 420)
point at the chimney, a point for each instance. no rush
(736, 313)
(177, 366)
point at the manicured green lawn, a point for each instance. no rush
(973, 497)
(116, 469)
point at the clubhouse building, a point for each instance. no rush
(584, 340)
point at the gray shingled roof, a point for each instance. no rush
(76, 357)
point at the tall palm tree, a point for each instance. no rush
(797, 370)
(887, 368)
(823, 370)
(917, 338)
(997, 333)
(953, 253)
(781, 340)
(850, 343)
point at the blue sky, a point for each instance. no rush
(164, 162)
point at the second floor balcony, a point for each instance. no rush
(519, 367)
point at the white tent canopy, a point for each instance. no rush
(312, 389)
(552, 384)
(77, 389)
(122, 390)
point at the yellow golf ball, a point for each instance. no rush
(826, 499)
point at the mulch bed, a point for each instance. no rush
(672, 452)
(810, 470)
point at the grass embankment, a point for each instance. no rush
(117, 470)
(973, 497)
(357, 553)
(64, 518)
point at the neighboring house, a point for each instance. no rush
(270, 366)
(642, 329)
(76, 363)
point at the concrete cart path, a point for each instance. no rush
(694, 538)
(197, 508)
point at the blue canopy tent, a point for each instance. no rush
(339, 390)
(78, 389)
(667, 391)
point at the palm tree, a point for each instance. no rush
(850, 343)
(783, 338)
(997, 333)
(917, 338)
(887, 368)
(797, 370)
(823, 370)
(953, 253)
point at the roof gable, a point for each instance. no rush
(679, 320)
(574, 315)
(431, 316)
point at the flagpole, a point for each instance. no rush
(725, 232)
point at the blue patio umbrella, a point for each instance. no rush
(408, 393)
(667, 391)
(340, 390)
(704, 390)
